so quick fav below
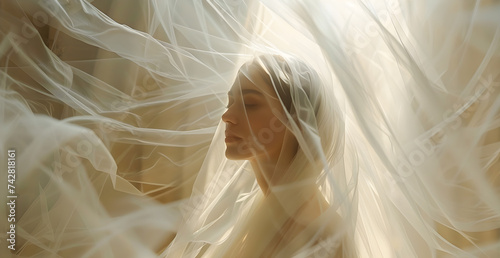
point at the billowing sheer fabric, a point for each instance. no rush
(225, 128)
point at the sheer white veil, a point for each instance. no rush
(114, 111)
(226, 194)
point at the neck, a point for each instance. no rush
(270, 170)
(304, 202)
(264, 172)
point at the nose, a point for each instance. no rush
(229, 117)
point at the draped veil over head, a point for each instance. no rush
(273, 204)
(250, 128)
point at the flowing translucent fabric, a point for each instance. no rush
(372, 129)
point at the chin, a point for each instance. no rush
(231, 156)
(235, 155)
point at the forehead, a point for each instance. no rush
(251, 78)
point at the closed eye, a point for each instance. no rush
(250, 98)
(229, 102)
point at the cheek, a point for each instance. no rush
(268, 130)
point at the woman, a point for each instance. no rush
(114, 106)
(275, 120)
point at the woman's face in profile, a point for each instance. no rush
(252, 128)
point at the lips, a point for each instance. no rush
(230, 137)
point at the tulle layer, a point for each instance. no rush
(113, 109)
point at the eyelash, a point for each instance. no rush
(246, 105)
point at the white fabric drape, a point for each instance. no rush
(114, 109)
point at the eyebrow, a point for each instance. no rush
(246, 91)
